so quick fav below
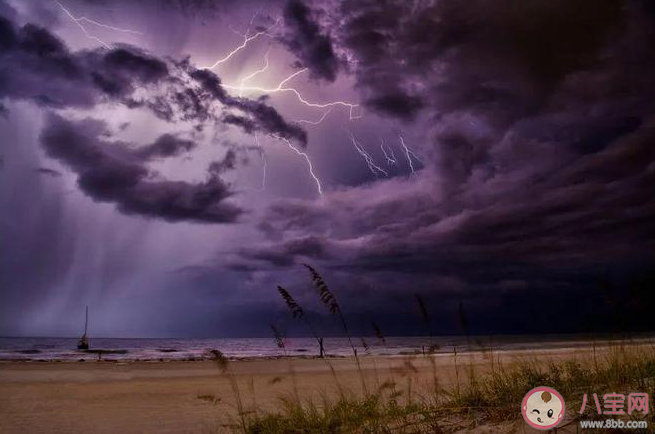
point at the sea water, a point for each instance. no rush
(65, 349)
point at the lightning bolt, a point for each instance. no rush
(409, 154)
(391, 159)
(256, 72)
(281, 88)
(322, 118)
(307, 159)
(246, 40)
(79, 20)
(374, 168)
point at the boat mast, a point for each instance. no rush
(83, 343)
(86, 320)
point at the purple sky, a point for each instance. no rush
(157, 165)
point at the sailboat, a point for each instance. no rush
(83, 343)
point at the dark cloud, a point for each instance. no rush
(533, 120)
(227, 163)
(580, 215)
(41, 68)
(166, 145)
(557, 240)
(285, 254)
(248, 125)
(252, 115)
(266, 119)
(539, 169)
(50, 172)
(209, 82)
(304, 38)
(504, 58)
(396, 103)
(119, 70)
(38, 67)
(109, 171)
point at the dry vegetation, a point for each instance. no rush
(479, 395)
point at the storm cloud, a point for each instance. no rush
(540, 169)
(520, 184)
(305, 39)
(109, 171)
(39, 67)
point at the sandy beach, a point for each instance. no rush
(190, 397)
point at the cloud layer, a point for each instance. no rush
(38, 67)
(539, 177)
(110, 171)
(533, 123)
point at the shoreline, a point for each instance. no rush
(107, 357)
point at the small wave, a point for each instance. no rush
(100, 351)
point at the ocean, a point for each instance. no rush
(65, 349)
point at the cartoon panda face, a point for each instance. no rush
(543, 408)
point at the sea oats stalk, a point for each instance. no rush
(324, 292)
(383, 340)
(491, 403)
(298, 312)
(279, 341)
(224, 366)
(333, 306)
(425, 316)
(464, 324)
(368, 352)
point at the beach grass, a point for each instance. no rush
(399, 400)
(488, 394)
